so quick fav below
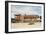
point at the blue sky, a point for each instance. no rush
(24, 9)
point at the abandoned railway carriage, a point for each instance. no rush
(26, 18)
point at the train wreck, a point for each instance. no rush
(26, 18)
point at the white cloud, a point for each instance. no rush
(23, 11)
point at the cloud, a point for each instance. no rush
(28, 10)
(32, 13)
(25, 12)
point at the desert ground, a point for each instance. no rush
(25, 25)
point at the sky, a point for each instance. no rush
(25, 9)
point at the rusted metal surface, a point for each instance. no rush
(27, 17)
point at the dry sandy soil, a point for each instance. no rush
(25, 25)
